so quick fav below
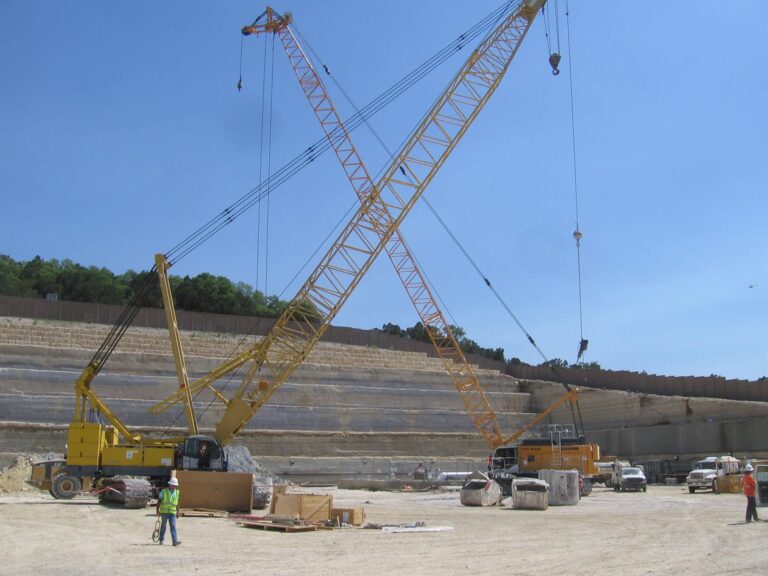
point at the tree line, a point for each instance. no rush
(421, 333)
(205, 292)
(37, 278)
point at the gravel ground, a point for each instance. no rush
(664, 531)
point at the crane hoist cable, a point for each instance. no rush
(554, 55)
(577, 234)
(265, 136)
(269, 171)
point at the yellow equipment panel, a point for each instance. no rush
(122, 456)
(158, 456)
(85, 442)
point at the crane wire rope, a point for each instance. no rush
(577, 235)
(269, 169)
(270, 116)
(261, 158)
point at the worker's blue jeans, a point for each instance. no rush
(170, 519)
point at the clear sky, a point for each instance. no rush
(122, 131)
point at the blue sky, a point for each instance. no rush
(122, 132)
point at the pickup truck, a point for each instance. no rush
(630, 478)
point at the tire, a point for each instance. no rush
(714, 487)
(65, 487)
(645, 488)
(691, 489)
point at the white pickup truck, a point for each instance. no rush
(706, 472)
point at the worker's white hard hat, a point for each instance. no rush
(748, 468)
(173, 482)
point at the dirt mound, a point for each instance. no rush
(14, 478)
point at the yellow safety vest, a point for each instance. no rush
(169, 500)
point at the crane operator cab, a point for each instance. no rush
(202, 453)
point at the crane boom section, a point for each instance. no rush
(162, 265)
(448, 350)
(311, 311)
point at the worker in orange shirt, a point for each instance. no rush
(749, 491)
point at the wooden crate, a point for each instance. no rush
(354, 516)
(732, 484)
(315, 507)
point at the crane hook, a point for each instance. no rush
(583, 345)
(577, 236)
(554, 61)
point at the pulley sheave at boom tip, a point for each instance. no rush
(273, 22)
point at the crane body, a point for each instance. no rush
(101, 448)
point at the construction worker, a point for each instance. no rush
(203, 457)
(749, 491)
(168, 509)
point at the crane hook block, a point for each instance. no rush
(554, 61)
(583, 345)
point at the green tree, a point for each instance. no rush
(41, 276)
(394, 329)
(11, 281)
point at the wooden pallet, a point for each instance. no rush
(267, 525)
(203, 513)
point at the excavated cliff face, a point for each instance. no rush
(348, 410)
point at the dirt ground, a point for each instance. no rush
(664, 531)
